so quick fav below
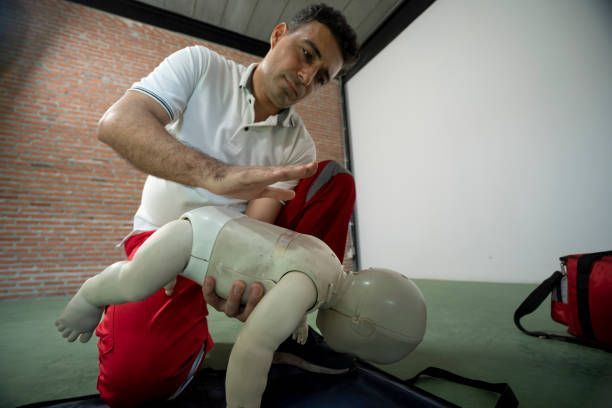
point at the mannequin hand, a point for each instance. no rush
(169, 288)
(250, 182)
(231, 306)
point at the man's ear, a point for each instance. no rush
(278, 31)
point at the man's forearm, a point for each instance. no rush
(134, 128)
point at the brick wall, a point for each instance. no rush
(65, 198)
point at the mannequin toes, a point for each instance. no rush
(85, 337)
(60, 325)
(73, 336)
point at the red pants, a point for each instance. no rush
(147, 349)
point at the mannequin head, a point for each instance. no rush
(379, 316)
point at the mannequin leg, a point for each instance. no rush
(156, 263)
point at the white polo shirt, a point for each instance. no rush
(211, 106)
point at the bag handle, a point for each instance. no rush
(507, 398)
(534, 300)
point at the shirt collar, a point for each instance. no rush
(286, 117)
(246, 78)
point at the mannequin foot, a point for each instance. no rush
(79, 319)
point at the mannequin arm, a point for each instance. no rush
(156, 263)
(272, 321)
(264, 209)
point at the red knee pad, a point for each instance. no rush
(323, 206)
(146, 349)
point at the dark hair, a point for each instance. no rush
(337, 24)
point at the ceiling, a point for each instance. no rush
(257, 18)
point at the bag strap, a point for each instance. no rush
(535, 299)
(507, 398)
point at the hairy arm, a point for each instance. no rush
(134, 128)
(272, 321)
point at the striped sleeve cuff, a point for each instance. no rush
(158, 98)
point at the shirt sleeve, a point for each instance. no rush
(172, 83)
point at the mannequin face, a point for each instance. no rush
(379, 315)
(298, 63)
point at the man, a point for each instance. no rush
(211, 132)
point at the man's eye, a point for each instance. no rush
(307, 54)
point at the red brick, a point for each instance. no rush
(65, 198)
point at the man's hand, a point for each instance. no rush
(231, 306)
(251, 182)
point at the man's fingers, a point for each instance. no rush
(210, 296)
(298, 171)
(270, 175)
(249, 182)
(256, 292)
(232, 303)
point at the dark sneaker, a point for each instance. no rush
(314, 356)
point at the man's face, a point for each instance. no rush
(299, 63)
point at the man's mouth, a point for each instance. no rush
(292, 87)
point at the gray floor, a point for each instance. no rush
(470, 332)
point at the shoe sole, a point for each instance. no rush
(292, 359)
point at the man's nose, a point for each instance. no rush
(306, 75)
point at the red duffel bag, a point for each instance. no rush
(581, 299)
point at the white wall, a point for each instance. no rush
(482, 140)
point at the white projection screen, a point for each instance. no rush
(481, 141)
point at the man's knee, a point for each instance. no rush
(146, 349)
(137, 395)
(135, 381)
(331, 175)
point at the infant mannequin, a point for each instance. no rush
(377, 314)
